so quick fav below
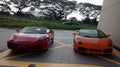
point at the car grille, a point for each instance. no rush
(94, 50)
(82, 49)
(11, 46)
(22, 45)
(107, 50)
(35, 47)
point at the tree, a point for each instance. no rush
(73, 19)
(4, 7)
(57, 9)
(94, 21)
(88, 10)
(20, 5)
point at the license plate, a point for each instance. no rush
(22, 45)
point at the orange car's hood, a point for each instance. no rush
(94, 42)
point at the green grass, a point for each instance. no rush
(20, 23)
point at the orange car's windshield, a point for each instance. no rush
(92, 33)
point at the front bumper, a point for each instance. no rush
(95, 50)
(31, 46)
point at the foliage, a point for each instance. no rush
(87, 21)
(4, 13)
(52, 10)
(18, 23)
(20, 4)
(89, 11)
(94, 21)
(90, 21)
(4, 7)
(57, 9)
(72, 21)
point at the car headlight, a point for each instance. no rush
(79, 41)
(110, 43)
(42, 38)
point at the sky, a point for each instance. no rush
(76, 13)
(97, 2)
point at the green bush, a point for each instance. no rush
(18, 23)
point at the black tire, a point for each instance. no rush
(47, 46)
(46, 49)
(75, 50)
(52, 40)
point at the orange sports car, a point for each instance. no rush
(92, 41)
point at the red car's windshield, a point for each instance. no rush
(34, 30)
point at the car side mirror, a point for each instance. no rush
(17, 30)
(77, 30)
(74, 33)
(108, 35)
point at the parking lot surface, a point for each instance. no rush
(60, 54)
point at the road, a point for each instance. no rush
(60, 54)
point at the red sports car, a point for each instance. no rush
(92, 41)
(31, 38)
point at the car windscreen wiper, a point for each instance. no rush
(90, 36)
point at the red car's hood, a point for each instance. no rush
(21, 37)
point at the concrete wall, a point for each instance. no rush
(110, 19)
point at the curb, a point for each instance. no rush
(117, 47)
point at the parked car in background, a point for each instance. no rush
(31, 38)
(72, 21)
(92, 41)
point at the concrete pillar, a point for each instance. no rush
(110, 20)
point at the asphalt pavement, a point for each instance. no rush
(4, 35)
(60, 54)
